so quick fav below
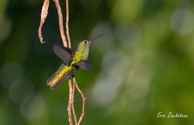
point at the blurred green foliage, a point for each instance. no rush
(143, 65)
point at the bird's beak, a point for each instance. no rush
(95, 38)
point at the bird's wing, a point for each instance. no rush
(84, 64)
(63, 53)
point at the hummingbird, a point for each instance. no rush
(72, 62)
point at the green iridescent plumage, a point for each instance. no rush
(65, 71)
(73, 61)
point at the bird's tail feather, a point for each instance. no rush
(54, 81)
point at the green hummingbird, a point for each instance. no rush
(72, 62)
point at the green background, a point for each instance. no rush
(143, 65)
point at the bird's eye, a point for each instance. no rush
(85, 41)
